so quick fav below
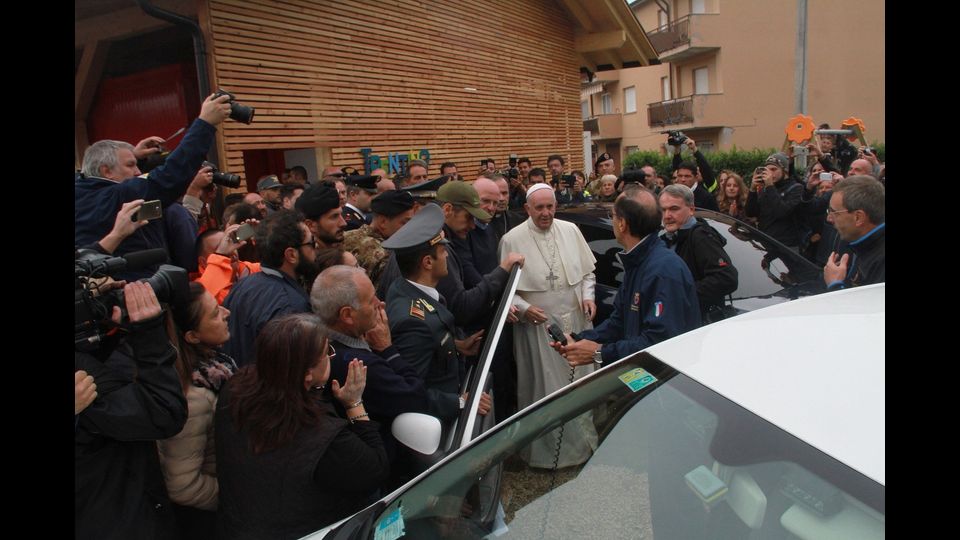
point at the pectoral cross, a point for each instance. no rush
(551, 278)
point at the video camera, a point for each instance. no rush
(676, 138)
(224, 179)
(92, 312)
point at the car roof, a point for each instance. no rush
(813, 366)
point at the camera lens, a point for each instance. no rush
(241, 113)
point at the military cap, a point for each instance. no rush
(365, 182)
(462, 194)
(391, 203)
(601, 158)
(317, 200)
(268, 182)
(428, 189)
(425, 229)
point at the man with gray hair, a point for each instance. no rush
(110, 177)
(858, 211)
(344, 299)
(701, 247)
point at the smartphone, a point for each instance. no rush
(244, 232)
(825, 177)
(149, 210)
(568, 179)
(759, 170)
(868, 151)
(556, 334)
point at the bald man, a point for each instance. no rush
(860, 167)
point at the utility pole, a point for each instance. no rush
(800, 71)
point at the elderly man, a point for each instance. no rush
(556, 286)
(858, 211)
(343, 297)
(391, 210)
(110, 177)
(860, 167)
(701, 247)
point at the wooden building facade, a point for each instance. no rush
(333, 81)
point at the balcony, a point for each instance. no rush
(686, 37)
(697, 111)
(604, 126)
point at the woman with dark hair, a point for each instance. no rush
(197, 328)
(289, 465)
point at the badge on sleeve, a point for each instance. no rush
(636, 302)
(658, 309)
(416, 310)
(721, 263)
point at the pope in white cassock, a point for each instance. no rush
(556, 286)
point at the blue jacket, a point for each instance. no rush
(253, 301)
(656, 301)
(97, 200)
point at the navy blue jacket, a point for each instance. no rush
(253, 301)
(478, 254)
(469, 305)
(656, 301)
(182, 230)
(97, 200)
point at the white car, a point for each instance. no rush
(766, 425)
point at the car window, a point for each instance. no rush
(609, 270)
(672, 460)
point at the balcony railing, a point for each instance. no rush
(671, 36)
(670, 112)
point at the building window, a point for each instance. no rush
(665, 88)
(630, 99)
(701, 83)
(606, 104)
(705, 146)
(630, 149)
(698, 6)
(585, 109)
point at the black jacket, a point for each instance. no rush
(776, 208)
(469, 305)
(326, 473)
(701, 247)
(869, 261)
(119, 490)
(703, 196)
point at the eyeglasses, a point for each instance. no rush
(311, 242)
(832, 212)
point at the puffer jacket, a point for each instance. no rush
(188, 459)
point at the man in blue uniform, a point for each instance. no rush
(422, 327)
(360, 191)
(657, 299)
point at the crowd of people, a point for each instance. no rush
(259, 404)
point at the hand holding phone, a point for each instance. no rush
(244, 232)
(556, 334)
(150, 210)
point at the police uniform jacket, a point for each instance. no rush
(423, 331)
(656, 301)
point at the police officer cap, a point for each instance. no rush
(425, 229)
(365, 182)
(268, 182)
(427, 189)
(601, 158)
(391, 203)
(317, 200)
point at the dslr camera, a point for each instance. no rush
(512, 173)
(238, 112)
(224, 179)
(92, 312)
(676, 138)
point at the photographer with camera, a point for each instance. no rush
(699, 177)
(119, 489)
(110, 177)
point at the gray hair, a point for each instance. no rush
(680, 191)
(102, 153)
(861, 192)
(608, 178)
(333, 289)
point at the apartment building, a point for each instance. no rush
(733, 72)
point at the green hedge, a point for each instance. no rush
(742, 162)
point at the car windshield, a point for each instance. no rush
(672, 459)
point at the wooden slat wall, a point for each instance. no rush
(390, 75)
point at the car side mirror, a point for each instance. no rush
(420, 432)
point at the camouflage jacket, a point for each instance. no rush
(365, 244)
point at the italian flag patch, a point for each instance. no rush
(658, 309)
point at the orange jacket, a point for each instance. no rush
(218, 276)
